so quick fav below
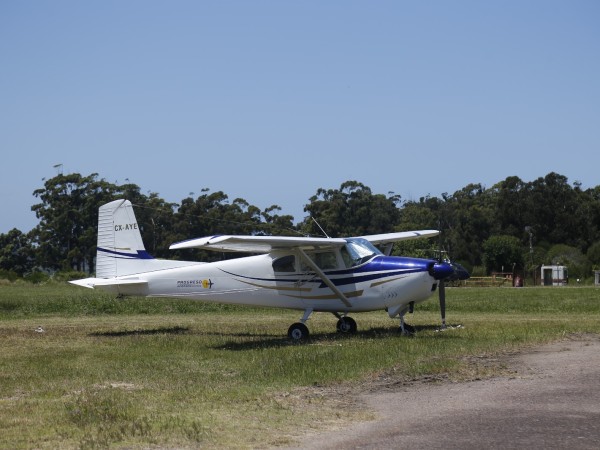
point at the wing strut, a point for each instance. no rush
(326, 280)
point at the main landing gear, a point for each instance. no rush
(299, 331)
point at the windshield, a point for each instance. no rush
(361, 250)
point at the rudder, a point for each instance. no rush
(119, 240)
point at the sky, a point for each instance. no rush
(270, 101)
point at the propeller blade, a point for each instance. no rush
(442, 294)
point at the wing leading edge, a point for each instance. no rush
(387, 238)
(265, 244)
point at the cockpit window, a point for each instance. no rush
(361, 250)
(285, 264)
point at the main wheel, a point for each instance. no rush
(298, 332)
(346, 325)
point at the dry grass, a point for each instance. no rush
(146, 375)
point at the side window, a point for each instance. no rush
(285, 264)
(323, 260)
(326, 260)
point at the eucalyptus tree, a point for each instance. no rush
(351, 210)
(512, 208)
(503, 254)
(467, 221)
(555, 210)
(65, 237)
(15, 252)
(277, 225)
(209, 214)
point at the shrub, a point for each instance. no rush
(36, 277)
(69, 275)
(8, 275)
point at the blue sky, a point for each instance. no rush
(271, 100)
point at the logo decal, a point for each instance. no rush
(206, 284)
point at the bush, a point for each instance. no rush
(69, 275)
(36, 277)
(8, 275)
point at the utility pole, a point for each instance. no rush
(529, 230)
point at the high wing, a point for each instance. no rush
(256, 244)
(265, 244)
(387, 238)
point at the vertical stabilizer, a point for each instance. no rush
(122, 263)
(120, 244)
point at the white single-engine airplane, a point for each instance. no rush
(336, 275)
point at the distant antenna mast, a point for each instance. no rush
(322, 230)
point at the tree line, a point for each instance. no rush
(514, 226)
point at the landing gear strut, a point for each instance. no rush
(406, 329)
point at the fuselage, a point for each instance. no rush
(268, 280)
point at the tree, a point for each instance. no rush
(278, 225)
(15, 252)
(210, 214)
(593, 255)
(351, 210)
(554, 210)
(562, 254)
(502, 253)
(65, 238)
(511, 201)
(557, 212)
(467, 221)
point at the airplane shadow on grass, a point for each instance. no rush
(138, 332)
(248, 341)
(320, 338)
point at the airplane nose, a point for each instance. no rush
(460, 273)
(441, 270)
(448, 271)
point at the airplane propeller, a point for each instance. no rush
(443, 271)
(442, 295)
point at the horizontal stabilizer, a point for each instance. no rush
(91, 283)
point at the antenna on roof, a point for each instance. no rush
(322, 230)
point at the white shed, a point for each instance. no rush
(554, 275)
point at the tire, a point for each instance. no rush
(298, 332)
(346, 325)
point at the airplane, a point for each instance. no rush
(309, 274)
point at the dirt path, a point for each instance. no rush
(553, 401)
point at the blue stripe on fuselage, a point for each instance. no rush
(377, 268)
(380, 267)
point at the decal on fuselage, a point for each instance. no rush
(206, 284)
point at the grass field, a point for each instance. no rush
(143, 373)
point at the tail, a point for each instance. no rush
(120, 246)
(121, 252)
